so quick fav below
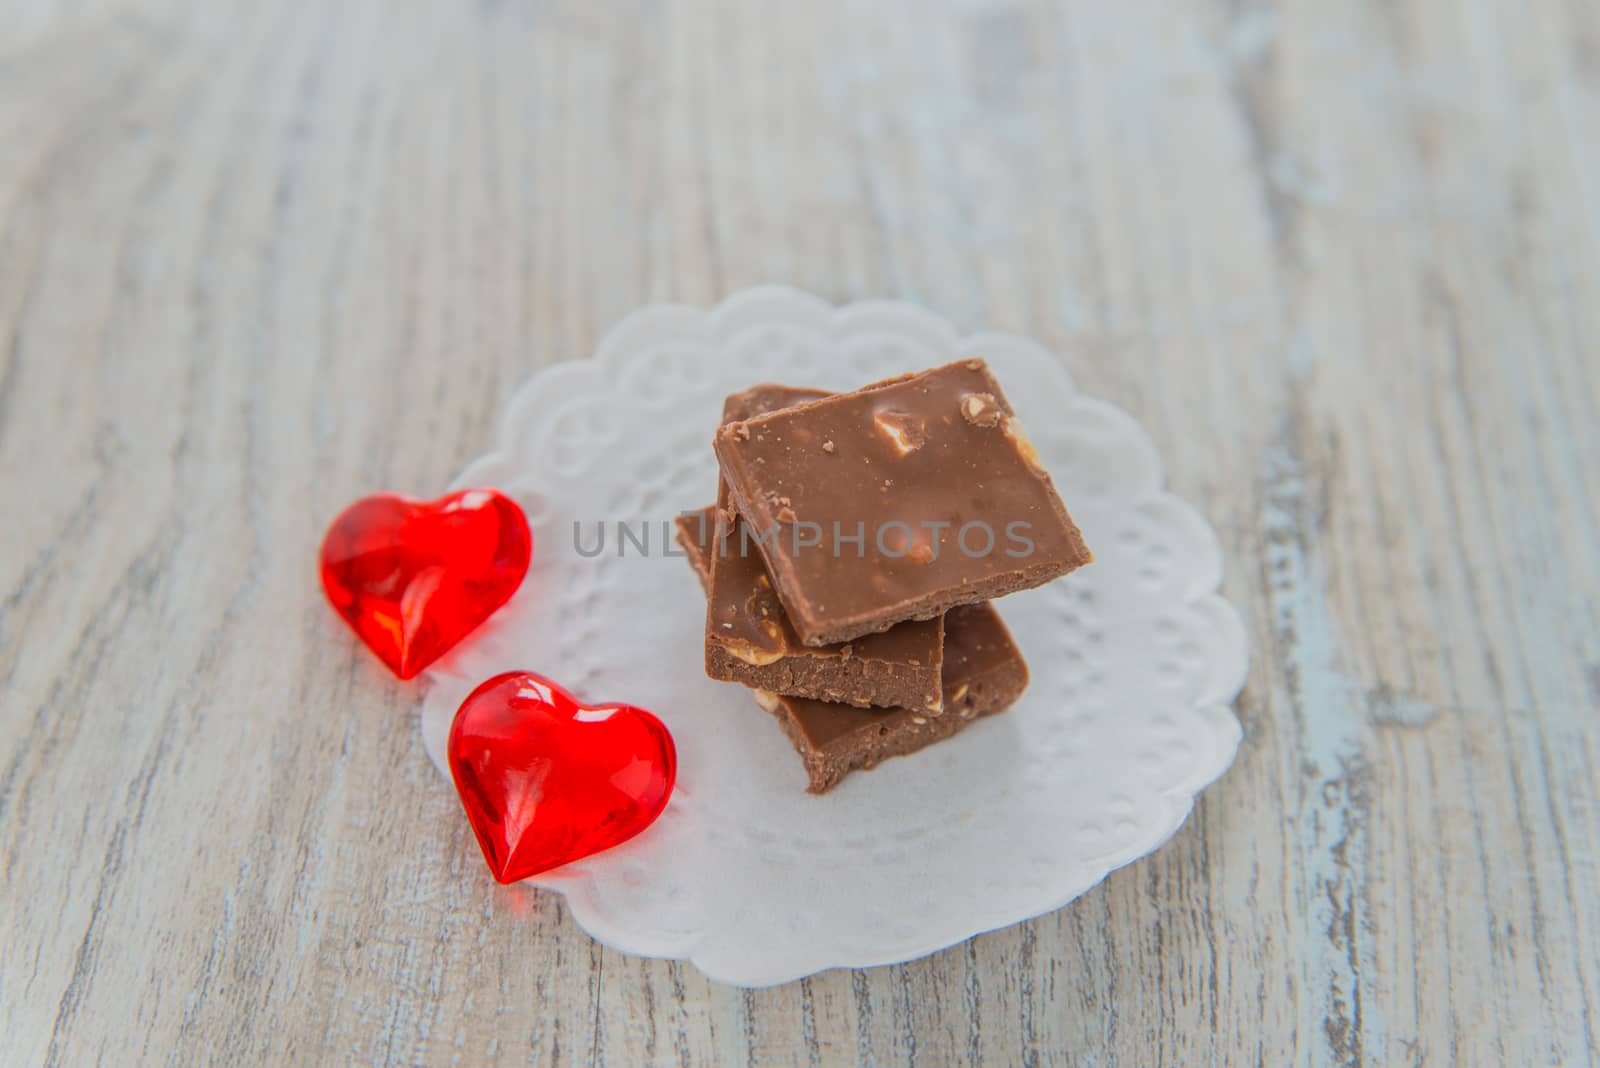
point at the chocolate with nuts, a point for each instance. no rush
(749, 640)
(984, 673)
(748, 636)
(897, 502)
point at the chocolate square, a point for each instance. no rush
(748, 636)
(984, 674)
(896, 502)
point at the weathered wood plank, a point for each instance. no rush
(256, 260)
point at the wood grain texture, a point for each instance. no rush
(1343, 260)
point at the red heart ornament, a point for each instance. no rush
(546, 780)
(412, 578)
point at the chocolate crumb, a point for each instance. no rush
(827, 446)
(741, 432)
(786, 515)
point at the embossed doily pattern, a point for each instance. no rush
(1135, 660)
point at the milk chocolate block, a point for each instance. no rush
(898, 501)
(748, 636)
(749, 640)
(984, 674)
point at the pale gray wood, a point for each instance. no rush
(1343, 260)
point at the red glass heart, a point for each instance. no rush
(546, 780)
(412, 578)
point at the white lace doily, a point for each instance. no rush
(1135, 659)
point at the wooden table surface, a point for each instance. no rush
(1342, 260)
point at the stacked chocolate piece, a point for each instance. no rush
(855, 543)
